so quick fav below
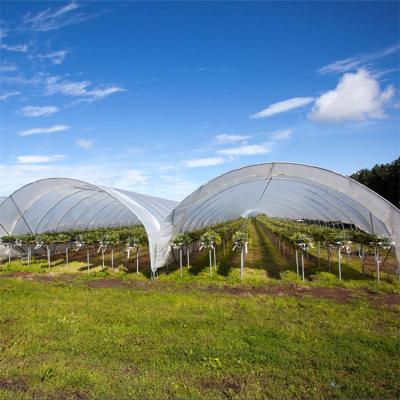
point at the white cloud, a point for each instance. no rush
(4, 96)
(247, 150)
(204, 162)
(48, 19)
(18, 48)
(109, 174)
(85, 90)
(56, 57)
(280, 135)
(128, 178)
(7, 67)
(356, 97)
(34, 159)
(166, 168)
(283, 106)
(224, 138)
(353, 63)
(84, 143)
(97, 94)
(32, 111)
(39, 131)
(175, 187)
(54, 85)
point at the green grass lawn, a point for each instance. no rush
(159, 340)
(66, 333)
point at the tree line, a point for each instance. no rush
(383, 179)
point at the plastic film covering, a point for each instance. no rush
(58, 204)
(285, 190)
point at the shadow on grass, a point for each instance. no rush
(268, 257)
(200, 261)
(228, 261)
(349, 267)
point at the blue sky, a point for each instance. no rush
(161, 97)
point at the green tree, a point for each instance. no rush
(383, 179)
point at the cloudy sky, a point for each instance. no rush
(161, 97)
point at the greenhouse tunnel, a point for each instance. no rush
(58, 204)
(285, 190)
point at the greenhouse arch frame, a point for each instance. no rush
(279, 189)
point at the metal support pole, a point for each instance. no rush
(48, 256)
(242, 263)
(328, 250)
(180, 260)
(362, 259)
(215, 260)
(112, 258)
(102, 257)
(188, 257)
(88, 259)
(9, 253)
(137, 261)
(302, 265)
(29, 256)
(66, 256)
(209, 251)
(318, 252)
(378, 261)
(297, 262)
(339, 264)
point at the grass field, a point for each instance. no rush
(113, 335)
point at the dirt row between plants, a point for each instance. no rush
(340, 295)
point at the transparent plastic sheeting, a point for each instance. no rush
(283, 190)
(58, 204)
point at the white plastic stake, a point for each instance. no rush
(339, 264)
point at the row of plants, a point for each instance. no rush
(128, 239)
(302, 236)
(115, 235)
(209, 238)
